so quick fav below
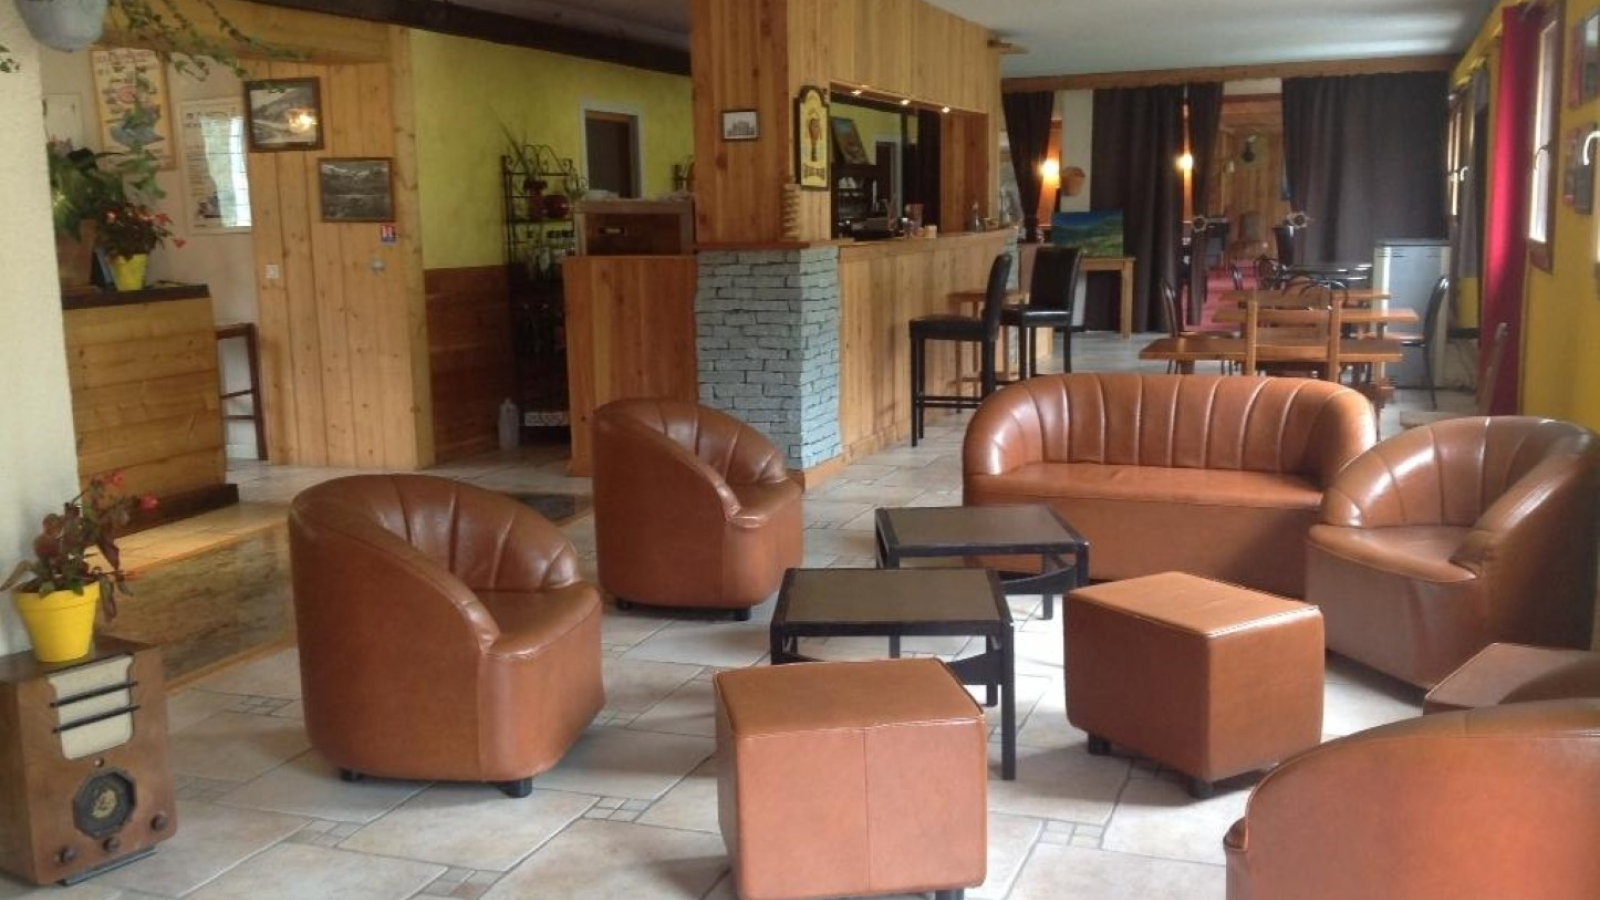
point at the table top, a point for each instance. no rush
(1333, 267)
(1359, 315)
(1296, 297)
(959, 530)
(906, 601)
(1104, 263)
(1204, 348)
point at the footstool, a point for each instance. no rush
(1512, 673)
(1208, 678)
(850, 779)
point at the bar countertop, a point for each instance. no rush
(902, 246)
(99, 299)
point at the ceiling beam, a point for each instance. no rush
(1153, 77)
(448, 18)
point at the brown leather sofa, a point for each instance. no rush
(1446, 538)
(1495, 802)
(444, 632)
(692, 508)
(1218, 476)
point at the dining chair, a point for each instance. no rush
(1293, 341)
(1177, 328)
(1053, 285)
(983, 330)
(1425, 340)
(1270, 274)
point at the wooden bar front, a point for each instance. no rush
(630, 333)
(146, 394)
(882, 287)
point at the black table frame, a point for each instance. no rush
(1057, 576)
(994, 668)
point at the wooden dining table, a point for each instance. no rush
(1190, 349)
(1296, 297)
(1357, 315)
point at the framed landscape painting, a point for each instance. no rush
(356, 189)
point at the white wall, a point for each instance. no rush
(38, 466)
(1077, 142)
(224, 261)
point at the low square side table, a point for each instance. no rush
(898, 603)
(1029, 529)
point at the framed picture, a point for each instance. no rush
(284, 114)
(1577, 183)
(214, 173)
(1585, 60)
(740, 125)
(847, 142)
(130, 90)
(811, 139)
(356, 189)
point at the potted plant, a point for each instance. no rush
(79, 191)
(59, 588)
(128, 231)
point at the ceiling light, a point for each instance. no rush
(1185, 162)
(1050, 171)
(944, 109)
(906, 102)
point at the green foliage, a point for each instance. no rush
(83, 184)
(163, 26)
(88, 523)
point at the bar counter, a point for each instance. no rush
(883, 285)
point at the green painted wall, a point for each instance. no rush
(466, 89)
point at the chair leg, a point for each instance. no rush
(1427, 376)
(1066, 349)
(916, 390)
(986, 376)
(518, 789)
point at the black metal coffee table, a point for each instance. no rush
(897, 603)
(1031, 529)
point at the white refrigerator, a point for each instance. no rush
(1408, 268)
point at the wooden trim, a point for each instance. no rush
(1150, 78)
(499, 28)
(819, 474)
(102, 299)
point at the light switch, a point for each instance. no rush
(274, 272)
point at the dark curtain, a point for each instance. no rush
(1138, 134)
(1505, 245)
(1028, 127)
(1365, 159)
(922, 162)
(1473, 184)
(1205, 115)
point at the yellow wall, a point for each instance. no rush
(1560, 368)
(466, 89)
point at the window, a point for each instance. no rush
(1541, 199)
(612, 152)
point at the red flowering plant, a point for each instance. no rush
(128, 229)
(74, 544)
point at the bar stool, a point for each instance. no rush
(983, 331)
(247, 331)
(1056, 271)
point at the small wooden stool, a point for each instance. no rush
(1512, 673)
(851, 778)
(1208, 678)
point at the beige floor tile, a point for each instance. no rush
(1157, 817)
(1010, 840)
(839, 542)
(1348, 708)
(722, 644)
(602, 860)
(277, 675)
(210, 840)
(310, 786)
(691, 804)
(833, 512)
(631, 627)
(691, 709)
(635, 685)
(1047, 725)
(13, 889)
(236, 747)
(469, 827)
(1055, 872)
(616, 762)
(301, 872)
(191, 705)
(1058, 783)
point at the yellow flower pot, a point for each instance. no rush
(61, 623)
(128, 271)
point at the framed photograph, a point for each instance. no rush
(356, 189)
(130, 90)
(1585, 60)
(214, 173)
(847, 142)
(1577, 183)
(811, 139)
(740, 125)
(284, 114)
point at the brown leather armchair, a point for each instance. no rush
(444, 632)
(1496, 802)
(691, 507)
(1446, 538)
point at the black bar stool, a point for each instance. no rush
(247, 331)
(1056, 271)
(983, 331)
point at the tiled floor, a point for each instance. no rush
(631, 811)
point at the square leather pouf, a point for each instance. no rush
(1209, 678)
(845, 779)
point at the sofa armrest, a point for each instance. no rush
(1538, 510)
(1006, 433)
(1345, 429)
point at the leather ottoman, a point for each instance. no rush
(1515, 673)
(1211, 679)
(851, 779)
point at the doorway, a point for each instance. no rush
(611, 143)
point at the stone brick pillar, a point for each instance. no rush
(768, 342)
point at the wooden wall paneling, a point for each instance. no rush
(966, 148)
(630, 333)
(409, 334)
(470, 360)
(277, 364)
(886, 44)
(364, 299)
(935, 68)
(334, 299)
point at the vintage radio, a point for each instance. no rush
(85, 784)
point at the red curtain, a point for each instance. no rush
(1506, 237)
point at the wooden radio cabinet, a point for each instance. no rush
(85, 782)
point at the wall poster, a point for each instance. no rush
(130, 89)
(216, 182)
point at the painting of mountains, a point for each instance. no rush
(357, 190)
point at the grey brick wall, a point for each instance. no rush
(768, 342)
